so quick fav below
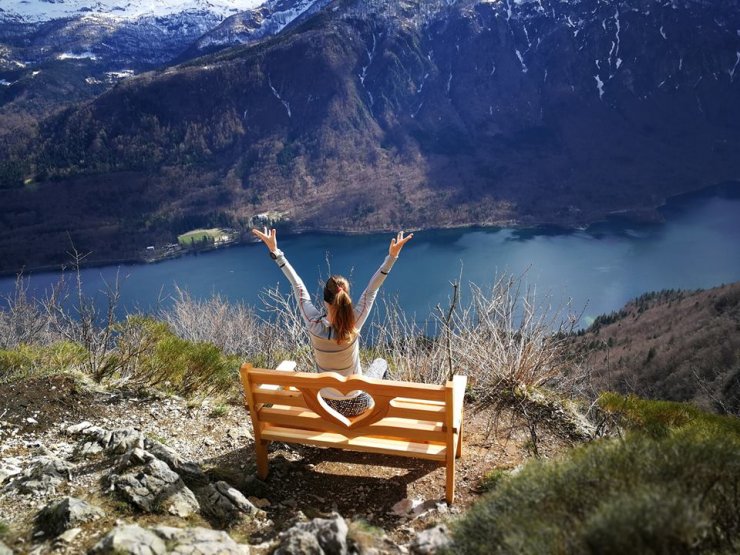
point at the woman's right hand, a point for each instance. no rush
(269, 238)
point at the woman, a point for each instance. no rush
(335, 331)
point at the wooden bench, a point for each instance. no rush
(407, 419)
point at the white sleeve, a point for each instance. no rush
(309, 312)
(365, 304)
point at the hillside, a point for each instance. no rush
(372, 115)
(677, 345)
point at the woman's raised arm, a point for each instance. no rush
(308, 311)
(367, 299)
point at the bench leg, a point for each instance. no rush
(450, 472)
(260, 449)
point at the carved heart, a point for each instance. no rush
(316, 403)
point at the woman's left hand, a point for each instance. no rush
(269, 238)
(397, 243)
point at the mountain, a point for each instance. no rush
(672, 345)
(266, 20)
(57, 53)
(374, 114)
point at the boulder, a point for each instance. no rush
(9, 468)
(190, 472)
(5, 550)
(431, 541)
(224, 503)
(199, 541)
(44, 475)
(124, 440)
(64, 514)
(317, 537)
(131, 539)
(236, 497)
(76, 429)
(155, 488)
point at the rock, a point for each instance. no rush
(405, 506)
(88, 448)
(414, 508)
(190, 472)
(236, 497)
(69, 535)
(156, 488)
(5, 550)
(135, 457)
(9, 468)
(431, 540)
(199, 541)
(64, 514)
(96, 433)
(238, 433)
(76, 429)
(131, 539)
(318, 536)
(299, 542)
(224, 503)
(124, 440)
(43, 476)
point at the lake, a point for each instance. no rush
(599, 268)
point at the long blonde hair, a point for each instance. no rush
(336, 294)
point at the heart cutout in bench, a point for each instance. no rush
(378, 410)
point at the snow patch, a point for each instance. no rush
(285, 103)
(77, 56)
(521, 61)
(36, 10)
(732, 72)
(120, 74)
(600, 86)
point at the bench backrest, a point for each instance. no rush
(419, 412)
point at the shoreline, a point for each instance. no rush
(635, 215)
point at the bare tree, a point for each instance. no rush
(23, 321)
(76, 316)
(232, 327)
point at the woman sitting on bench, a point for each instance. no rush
(335, 331)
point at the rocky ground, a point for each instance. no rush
(85, 469)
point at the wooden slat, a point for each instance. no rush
(322, 380)
(389, 427)
(431, 451)
(433, 411)
(281, 397)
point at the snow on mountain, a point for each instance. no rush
(268, 19)
(44, 10)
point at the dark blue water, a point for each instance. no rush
(600, 268)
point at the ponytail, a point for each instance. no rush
(336, 293)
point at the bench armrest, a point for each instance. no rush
(458, 397)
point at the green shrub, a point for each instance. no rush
(658, 418)
(30, 360)
(219, 411)
(674, 492)
(184, 367)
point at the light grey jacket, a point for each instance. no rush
(328, 354)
